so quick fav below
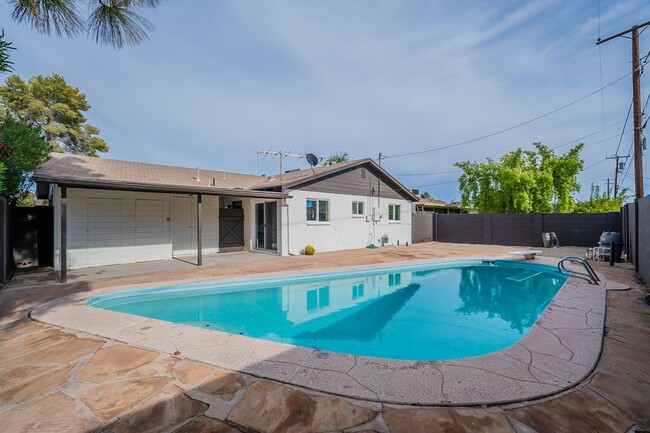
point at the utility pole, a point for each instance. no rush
(616, 157)
(282, 155)
(638, 116)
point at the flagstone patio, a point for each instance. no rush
(54, 379)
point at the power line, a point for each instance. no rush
(629, 151)
(595, 179)
(629, 110)
(514, 126)
(593, 165)
(428, 174)
(589, 135)
(608, 138)
(439, 183)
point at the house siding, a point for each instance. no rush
(117, 227)
(342, 231)
(351, 182)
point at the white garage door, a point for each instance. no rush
(104, 227)
(151, 235)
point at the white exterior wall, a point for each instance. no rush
(343, 230)
(103, 227)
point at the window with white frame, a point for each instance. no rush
(357, 208)
(318, 298)
(318, 210)
(394, 212)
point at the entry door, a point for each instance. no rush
(266, 225)
(183, 226)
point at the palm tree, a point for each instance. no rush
(337, 158)
(5, 63)
(110, 22)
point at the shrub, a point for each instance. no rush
(310, 250)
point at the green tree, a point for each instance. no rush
(522, 181)
(109, 22)
(598, 203)
(337, 158)
(22, 150)
(2, 177)
(5, 67)
(57, 107)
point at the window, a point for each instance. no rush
(357, 291)
(363, 173)
(318, 298)
(394, 212)
(318, 210)
(357, 208)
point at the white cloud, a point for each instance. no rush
(220, 80)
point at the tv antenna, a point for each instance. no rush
(281, 154)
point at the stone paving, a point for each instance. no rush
(60, 380)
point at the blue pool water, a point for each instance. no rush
(423, 312)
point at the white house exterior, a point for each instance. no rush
(344, 229)
(116, 212)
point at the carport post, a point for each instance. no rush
(64, 236)
(199, 247)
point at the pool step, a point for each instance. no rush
(523, 276)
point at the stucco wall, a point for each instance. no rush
(342, 231)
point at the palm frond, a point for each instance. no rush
(115, 23)
(5, 46)
(147, 3)
(48, 16)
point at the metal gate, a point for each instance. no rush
(231, 228)
(32, 236)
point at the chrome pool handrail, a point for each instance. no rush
(590, 275)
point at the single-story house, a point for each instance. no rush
(430, 205)
(114, 212)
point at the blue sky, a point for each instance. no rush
(218, 81)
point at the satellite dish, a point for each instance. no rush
(312, 159)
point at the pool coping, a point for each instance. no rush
(559, 351)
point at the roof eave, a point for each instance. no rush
(143, 187)
(344, 166)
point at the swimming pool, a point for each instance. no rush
(432, 311)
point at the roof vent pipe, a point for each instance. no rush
(198, 175)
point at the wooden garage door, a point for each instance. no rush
(151, 235)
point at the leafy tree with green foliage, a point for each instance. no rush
(110, 22)
(57, 107)
(22, 150)
(337, 158)
(5, 67)
(522, 181)
(2, 177)
(598, 203)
